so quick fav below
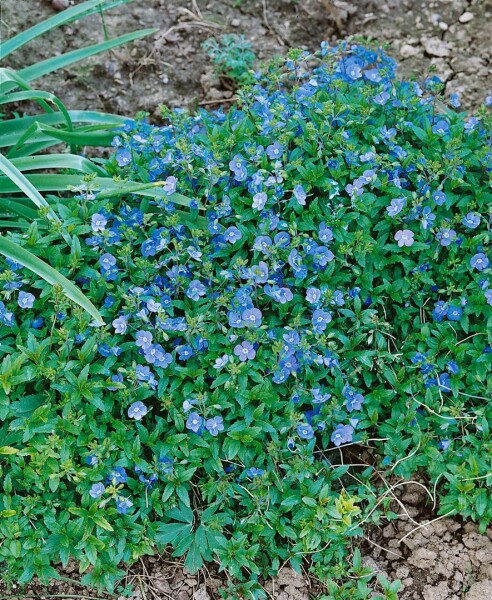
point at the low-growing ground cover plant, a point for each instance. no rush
(314, 330)
(232, 56)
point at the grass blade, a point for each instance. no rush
(64, 60)
(109, 188)
(57, 161)
(36, 265)
(11, 130)
(20, 182)
(67, 16)
(16, 206)
(90, 136)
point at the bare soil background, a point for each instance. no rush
(446, 559)
(171, 68)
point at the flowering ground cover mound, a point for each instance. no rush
(315, 322)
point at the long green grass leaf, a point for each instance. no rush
(57, 161)
(14, 224)
(67, 16)
(16, 206)
(64, 60)
(18, 181)
(109, 188)
(11, 130)
(36, 265)
(87, 136)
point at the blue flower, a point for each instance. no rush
(137, 411)
(91, 460)
(428, 217)
(454, 313)
(305, 431)
(396, 206)
(37, 323)
(300, 195)
(488, 296)
(479, 261)
(214, 425)
(454, 100)
(97, 490)
(441, 127)
(259, 273)
(319, 397)
(123, 505)
(123, 157)
(245, 351)
(232, 235)
(185, 352)
(120, 325)
(274, 151)
(254, 472)
(143, 339)
(381, 98)
(259, 200)
(320, 320)
(26, 300)
(343, 434)
(313, 295)
(251, 317)
(238, 166)
(325, 234)
(452, 367)
(115, 379)
(221, 361)
(98, 222)
(166, 464)
(443, 382)
(116, 476)
(194, 422)
(169, 186)
(446, 236)
(107, 261)
(439, 197)
(472, 220)
(196, 290)
(440, 310)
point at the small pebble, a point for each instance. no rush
(60, 4)
(466, 17)
(235, 23)
(444, 26)
(406, 51)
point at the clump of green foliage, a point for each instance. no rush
(297, 304)
(232, 57)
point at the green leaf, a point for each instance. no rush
(8, 450)
(193, 561)
(168, 534)
(57, 161)
(68, 58)
(11, 130)
(35, 264)
(102, 522)
(20, 182)
(67, 16)
(481, 502)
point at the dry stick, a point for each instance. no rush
(221, 101)
(451, 512)
(196, 9)
(382, 548)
